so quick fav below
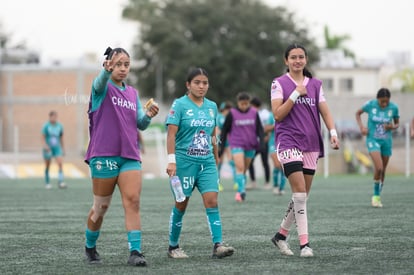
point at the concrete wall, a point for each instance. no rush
(28, 95)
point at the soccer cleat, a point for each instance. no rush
(92, 256)
(48, 186)
(267, 186)
(238, 197)
(376, 201)
(306, 252)
(62, 185)
(282, 244)
(176, 253)
(251, 185)
(220, 251)
(137, 259)
(243, 196)
(277, 191)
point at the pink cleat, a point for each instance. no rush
(238, 197)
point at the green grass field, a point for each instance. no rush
(42, 231)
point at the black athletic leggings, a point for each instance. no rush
(265, 161)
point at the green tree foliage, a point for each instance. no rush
(406, 78)
(337, 42)
(4, 37)
(241, 43)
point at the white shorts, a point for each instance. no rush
(309, 159)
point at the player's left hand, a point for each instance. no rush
(335, 142)
(153, 110)
(389, 126)
(109, 64)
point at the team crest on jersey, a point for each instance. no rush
(171, 113)
(374, 111)
(201, 114)
(211, 113)
(199, 145)
(390, 113)
(274, 84)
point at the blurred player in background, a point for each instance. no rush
(244, 131)
(264, 115)
(53, 147)
(279, 179)
(383, 118)
(115, 113)
(141, 144)
(298, 102)
(412, 128)
(192, 156)
(224, 109)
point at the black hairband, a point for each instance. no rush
(108, 52)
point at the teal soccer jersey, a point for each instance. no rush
(52, 133)
(220, 120)
(195, 127)
(271, 142)
(378, 117)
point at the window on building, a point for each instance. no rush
(346, 84)
(328, 85)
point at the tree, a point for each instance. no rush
(406, 78)
(240, 42)
(16, 54)
(337, 42)
(4, 37)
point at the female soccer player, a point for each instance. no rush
(221, 117)
(52, 132)
(297, 103)
(192, 156)
(244, 131)
(383, 118)
(412, 128)
(279, 179)
(264, 115)
(113, 156)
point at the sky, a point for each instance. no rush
(66, 30)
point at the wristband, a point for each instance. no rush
(294, 95)
(333, 133)
(171, 158)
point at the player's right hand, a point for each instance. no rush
(364, 131)
(302, 90)
(171, 169)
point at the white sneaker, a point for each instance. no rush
(306, 252)
(62, 185)
(177, 253)
(251, 185)
(48, 186)
(283, 246)
(267, 186)
(275, 190)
